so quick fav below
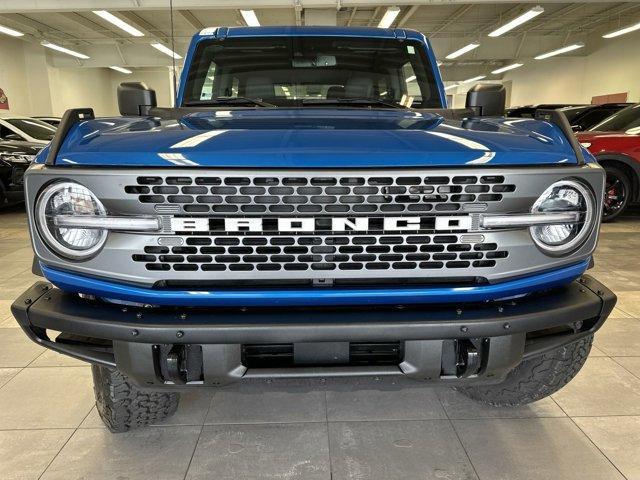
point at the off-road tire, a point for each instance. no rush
(123, 406)
(536, 377)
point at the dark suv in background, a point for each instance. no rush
(15, 157)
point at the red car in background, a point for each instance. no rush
(615, 142)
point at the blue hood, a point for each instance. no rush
(313, 138)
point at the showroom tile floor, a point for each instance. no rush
(49, 427)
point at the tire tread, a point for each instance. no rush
(535, 378)
(123, 406)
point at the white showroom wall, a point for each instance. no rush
(34, 87)
(614, 67)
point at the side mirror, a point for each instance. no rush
(487, 100)
(135, 99)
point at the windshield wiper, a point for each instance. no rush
(351, 101)
(230, 100)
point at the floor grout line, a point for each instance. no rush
(455, 431)
(75, 430)
(618, 363)
(326, 417)
(195, 446)
(589, 438)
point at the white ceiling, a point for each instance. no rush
(450, 24)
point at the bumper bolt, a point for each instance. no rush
(45, 287)
(28, 301)
(506, 326)
(179, 334)
(600, 292)
(134, 332)
(464, 329)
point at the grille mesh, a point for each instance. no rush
(316, 195)
(317, 253)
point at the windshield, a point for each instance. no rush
(626, 120)
(34, 128)
(302, 71)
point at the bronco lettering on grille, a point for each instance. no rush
(308, 224)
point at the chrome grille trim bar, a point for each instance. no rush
(528, 219)
(108, 222)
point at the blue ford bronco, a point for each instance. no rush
(311, 208)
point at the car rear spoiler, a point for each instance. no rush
(559, 119)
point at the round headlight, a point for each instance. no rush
(64, 199)
(562, 197)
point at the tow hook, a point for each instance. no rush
(467, 359)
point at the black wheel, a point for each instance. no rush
(616, 193)
(122, 405)
(535, 378)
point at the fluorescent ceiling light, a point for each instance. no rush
(516, 22)
(410, 79)
(560, 51)
(469, 80)
(463, 50)
(451, 86)
(250, 18)
(617, 33)
(389, 17)
(10, 31)
(121, 24)
(73, 53)
(507, 68)
(167, 51)
(120, 69)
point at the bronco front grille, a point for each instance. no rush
(320, 194)
(298, 218)
(388, 252)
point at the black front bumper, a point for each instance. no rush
(195, 346)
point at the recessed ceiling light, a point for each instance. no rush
(120, 69)
(250, 18)
(463, 50)
(560, 51)
(507, 68)
(622, 31)
(516, 22)
(389, 17)
(73, 53)
(468, 80)
(121, 24)
(10, 31)
(167, 51)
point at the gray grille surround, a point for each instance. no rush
(148, 258)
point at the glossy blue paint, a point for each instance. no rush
(311, 31)
(313, 297)
(313, 138)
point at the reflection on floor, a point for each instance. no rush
(49, 428)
